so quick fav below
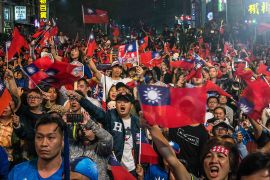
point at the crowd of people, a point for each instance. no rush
(75, 131)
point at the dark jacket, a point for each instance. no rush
(113, 123)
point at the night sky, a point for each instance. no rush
(128, 12)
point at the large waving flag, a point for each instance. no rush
(5, 97)
(118, 171)
(160, 105)
(61, 73)
(17, 43)
(94, 16)
(151, 59)
(128, 53)
(254, 98)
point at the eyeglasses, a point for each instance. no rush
(33, 97)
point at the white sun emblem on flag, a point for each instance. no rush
(157, 55)
(130, 48)
(91, 37)
(152, 95)
(90, 11)
(31, 70)
(244, 108)
(1, 87)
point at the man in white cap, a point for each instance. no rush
(107, 81)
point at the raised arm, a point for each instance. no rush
(178, 169)
(93, 68)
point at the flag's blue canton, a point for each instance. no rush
(51, 72)
(141, 41)
(155, 55)
(2, 87)
(154, 95)
(113, 161)
(245, 105)
(131, 47)
(31, 69)
(268, 68)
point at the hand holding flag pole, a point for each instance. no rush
(31, 79)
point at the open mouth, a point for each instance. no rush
(122, 109)
(214, 171)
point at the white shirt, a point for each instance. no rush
(127, 158)
(109, 82)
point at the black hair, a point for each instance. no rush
(253, 163)
(222, 108)
(36, 90)
(84, 80)
(52, 118)
(212, 97)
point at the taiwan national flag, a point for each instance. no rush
(16, 44)
(61, 73)
(254, 98)
(210, 86)
(148, 154)
(35, 74)
(143, 43)
(263, 69)
(118, 171)
(94, 16)
(184, 63)
(91, 45)
(173, 107)
(151, 59)
(128, 51)
(5, 97)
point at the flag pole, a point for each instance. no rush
(266, 80)
(7, 55)
(140, 146)
(31, 79)
(137, 49)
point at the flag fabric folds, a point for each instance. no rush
(210, 86)
(151, 59)
(5, 97)
(118, 171)
(94, 16)
(17, 43)
(161, 107)
(143, 43)
(254, 98)
(148, 154)
(184, 63)
(91, 46)
(263, 69)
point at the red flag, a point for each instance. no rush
(94, 16)
(263, 69)
(5, 97)
(151, 59)
(186, 64)
(210, 86)
(92, 45)
(38, 33)
(17, 43)
(161, 107)
(43, 63)
(148, 154)
(50, 33)
(118, 171)
(244, 73)
(144, 43)
(61, 73)
(254, 98)
(116, 31)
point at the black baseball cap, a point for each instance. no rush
(126, 96)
